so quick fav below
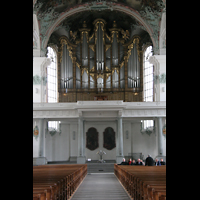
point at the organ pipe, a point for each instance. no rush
(114, 51)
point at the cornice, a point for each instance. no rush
(99, 109)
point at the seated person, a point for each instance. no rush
(149, 161)
(157, 162)
(162, 162)
(142, 162)
(133, 162)
(123, 162)
(129, 161)
(139, 162)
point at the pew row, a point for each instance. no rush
(52, 182)
(143, 182)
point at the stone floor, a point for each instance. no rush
(100, 186)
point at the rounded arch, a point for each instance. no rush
(162, 41)
(36, 33)
(85, 7)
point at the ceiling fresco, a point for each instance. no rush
(50, 11)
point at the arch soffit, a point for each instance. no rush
(82, 8)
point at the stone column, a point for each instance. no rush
(120, 153)
(41, 137)
(160, 141)
(41, 160)
(81, 157)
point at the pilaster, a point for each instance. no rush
(160, 141)
(39, 78)
(41, 137)
(159, 62)
(81, 157)
(120, 153)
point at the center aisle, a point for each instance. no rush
(100, 186)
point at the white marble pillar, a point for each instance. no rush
(120, 153)
(41, 159)
(80, 158)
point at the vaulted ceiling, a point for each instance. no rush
(57, 16)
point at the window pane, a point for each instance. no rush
(52, 76)
(148, 75)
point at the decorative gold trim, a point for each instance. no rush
(78, 65)
(102, 28)
(86, 32)
(92, 70)
(91, 36)
(130, 47)
(64, 40)
(100, 76)
(84, 69)
(117, 70)
(91, 46)
(108, 46)
(121, 64)
(112, 36)
(109, 38)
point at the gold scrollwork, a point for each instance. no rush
(84, 69)
(112, 35)
(86, 32)
(91, 36)
(100, 76)
(78, 65)
(108, 46)
(69, 48)
(117, 70)
(102, 28)
(109, 38)
(130, 47)
(91, 46)
(121, 64)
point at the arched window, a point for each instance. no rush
(148, 76)
(52, 76)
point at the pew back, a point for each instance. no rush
(143, 182)
(57, 181)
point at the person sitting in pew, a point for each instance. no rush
(162, 162)
(129, 161)
(149, 161)
(123, 162)
(157, 163)
(133, 162)
(142, 162)
(139, 162)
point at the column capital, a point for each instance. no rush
(159, 62)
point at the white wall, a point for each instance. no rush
(101, 126)
(61, 147)
(142, 142)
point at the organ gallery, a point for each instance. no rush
(100, 63)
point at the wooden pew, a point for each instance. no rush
(57, 181)
(143, 182)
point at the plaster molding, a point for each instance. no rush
(86, 7)
(91, 109)
(159, 62)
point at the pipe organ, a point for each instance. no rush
(102, 63)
